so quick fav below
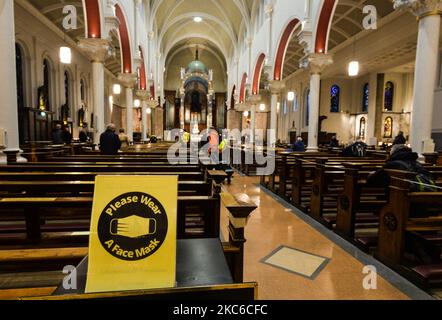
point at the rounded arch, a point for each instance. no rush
(282, 48)
(23, 73)
(324, 24)
(48, 81)
(242, 92)
(126, 53)
(69, 93)
(257, 73)
(93, 18)
(143, 80)
(232, 97)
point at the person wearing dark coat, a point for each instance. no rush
(334, 143)
(67, 136)
(57, 135)
(109, 142)
(299, 146)
(400, 139)
(401, 158)
(83, 137)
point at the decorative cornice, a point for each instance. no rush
(128, 80)
(143, 95)
(316, 62)
(276, 87)
(96, 49)
(420, 8)
(255, 99)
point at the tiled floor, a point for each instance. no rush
(274, 225)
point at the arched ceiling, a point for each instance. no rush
(348, 16)
(184, 52)
(53, 10)
(294, 53)
(223, 22)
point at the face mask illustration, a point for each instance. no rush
(133, 227)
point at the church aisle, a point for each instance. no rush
(328, 271)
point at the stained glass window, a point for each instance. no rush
(365, 97)
(335, 93)
(389, 96)
(19, 74)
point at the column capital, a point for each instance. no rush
(96, 49)
(269, 10)
(420, 8)
(276, 86)
(143, 95)
(317, 62)
(127, 79)
(255, 99)
(152, 104)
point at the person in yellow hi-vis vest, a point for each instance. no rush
(186, 137)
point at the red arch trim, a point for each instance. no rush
(143, 82)
(92, 11)
(242, 92)
(124, 41)
(322, 31)
(282, 49)
(257, 74)
(152, 92)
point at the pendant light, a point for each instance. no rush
(353, 66)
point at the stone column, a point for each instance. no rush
(97, 50)
(143, 95)
(316, 63)
(9, 139)
(152, 105)
(426, 70)
(276, 87)
(128, 80)
(254, 101)
(182, 110)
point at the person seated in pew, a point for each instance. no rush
(400, 139)
(57, 135)
(356, 149)
(67, 136)
(83, 135)
(124, 139)
(334, 142)
(403, 158)
(299, 146)
(110, 143)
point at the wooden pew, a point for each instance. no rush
(359, 200)
(415, 213)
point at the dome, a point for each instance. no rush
(196, 66)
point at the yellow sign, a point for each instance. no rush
(132, 243)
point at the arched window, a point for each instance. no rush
(19, 65)
(389, 96)
(44, 98)
(295, 102)
(362, 125)
(335, 95)
(365, 97)
(307, 107)
(65, 109)
(388, 127)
